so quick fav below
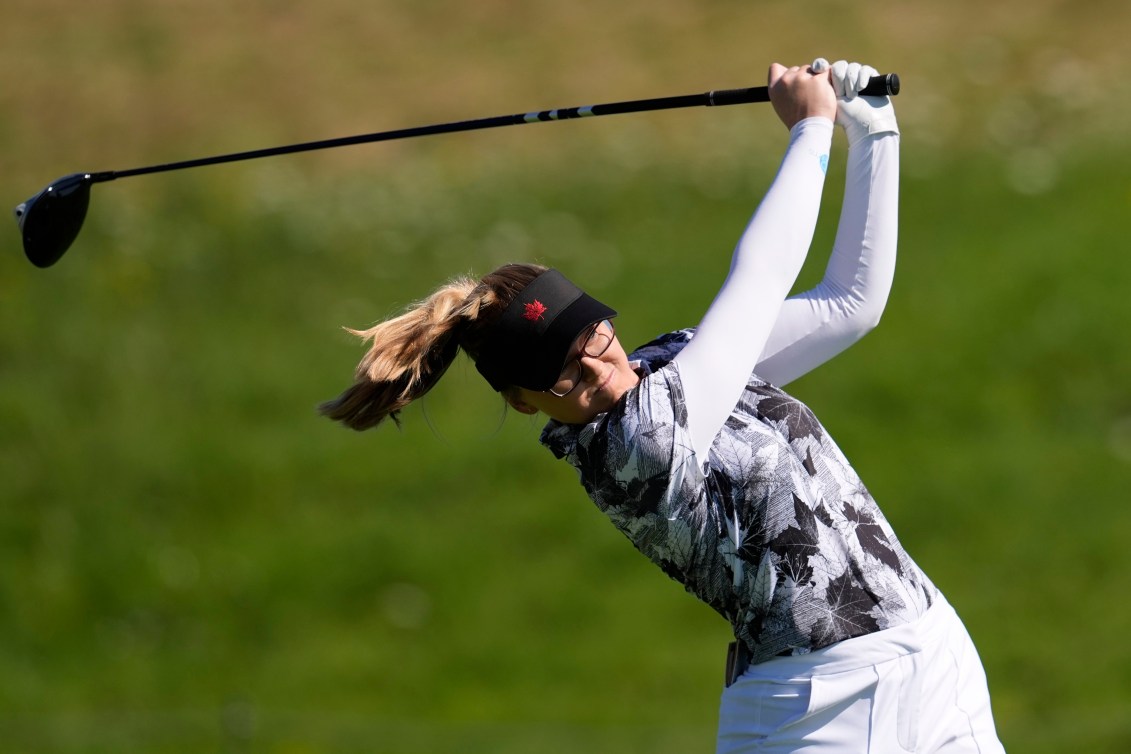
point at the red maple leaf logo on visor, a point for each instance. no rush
(534, 311)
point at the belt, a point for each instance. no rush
(738, 660)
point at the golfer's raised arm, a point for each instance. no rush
(816, 325)
(820, 323)
(716, 364)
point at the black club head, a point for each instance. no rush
(50, 221)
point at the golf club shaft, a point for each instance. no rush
(884, 84)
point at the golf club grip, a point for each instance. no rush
(884, 84)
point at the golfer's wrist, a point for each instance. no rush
(814, 122)
(813, 127)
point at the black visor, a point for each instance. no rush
(533, 338)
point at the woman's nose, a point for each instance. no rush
(590, 366)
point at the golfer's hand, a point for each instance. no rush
(859, 116)
(798, 93)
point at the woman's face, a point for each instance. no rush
(602, 381)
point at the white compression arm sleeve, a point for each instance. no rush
(716, 364)
(816, 325)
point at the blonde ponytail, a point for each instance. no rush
(409, 353)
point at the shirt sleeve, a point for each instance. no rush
(717, 363)
(636, 463)
(820, 323)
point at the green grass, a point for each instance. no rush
(191, 559)
(183, 536)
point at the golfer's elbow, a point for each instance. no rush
(857, 316)
(867, 318)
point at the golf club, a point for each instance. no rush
(50, 221)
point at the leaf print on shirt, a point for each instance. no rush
(798, 544)
(752, 543)
(810, 467)
(618, 445)
(872, 537)
(848, 612)
(654, 443)
(673, 547)
(642, 495)
(794, 415)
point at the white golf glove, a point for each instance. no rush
(859, 116)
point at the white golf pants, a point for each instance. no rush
(914, 688)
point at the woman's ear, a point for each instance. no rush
(515, 401)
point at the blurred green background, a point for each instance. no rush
(192, 560)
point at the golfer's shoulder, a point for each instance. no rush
(658, 352)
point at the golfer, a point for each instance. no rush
(728, 484)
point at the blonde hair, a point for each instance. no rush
(409, 354)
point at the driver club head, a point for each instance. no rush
(50, 221)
